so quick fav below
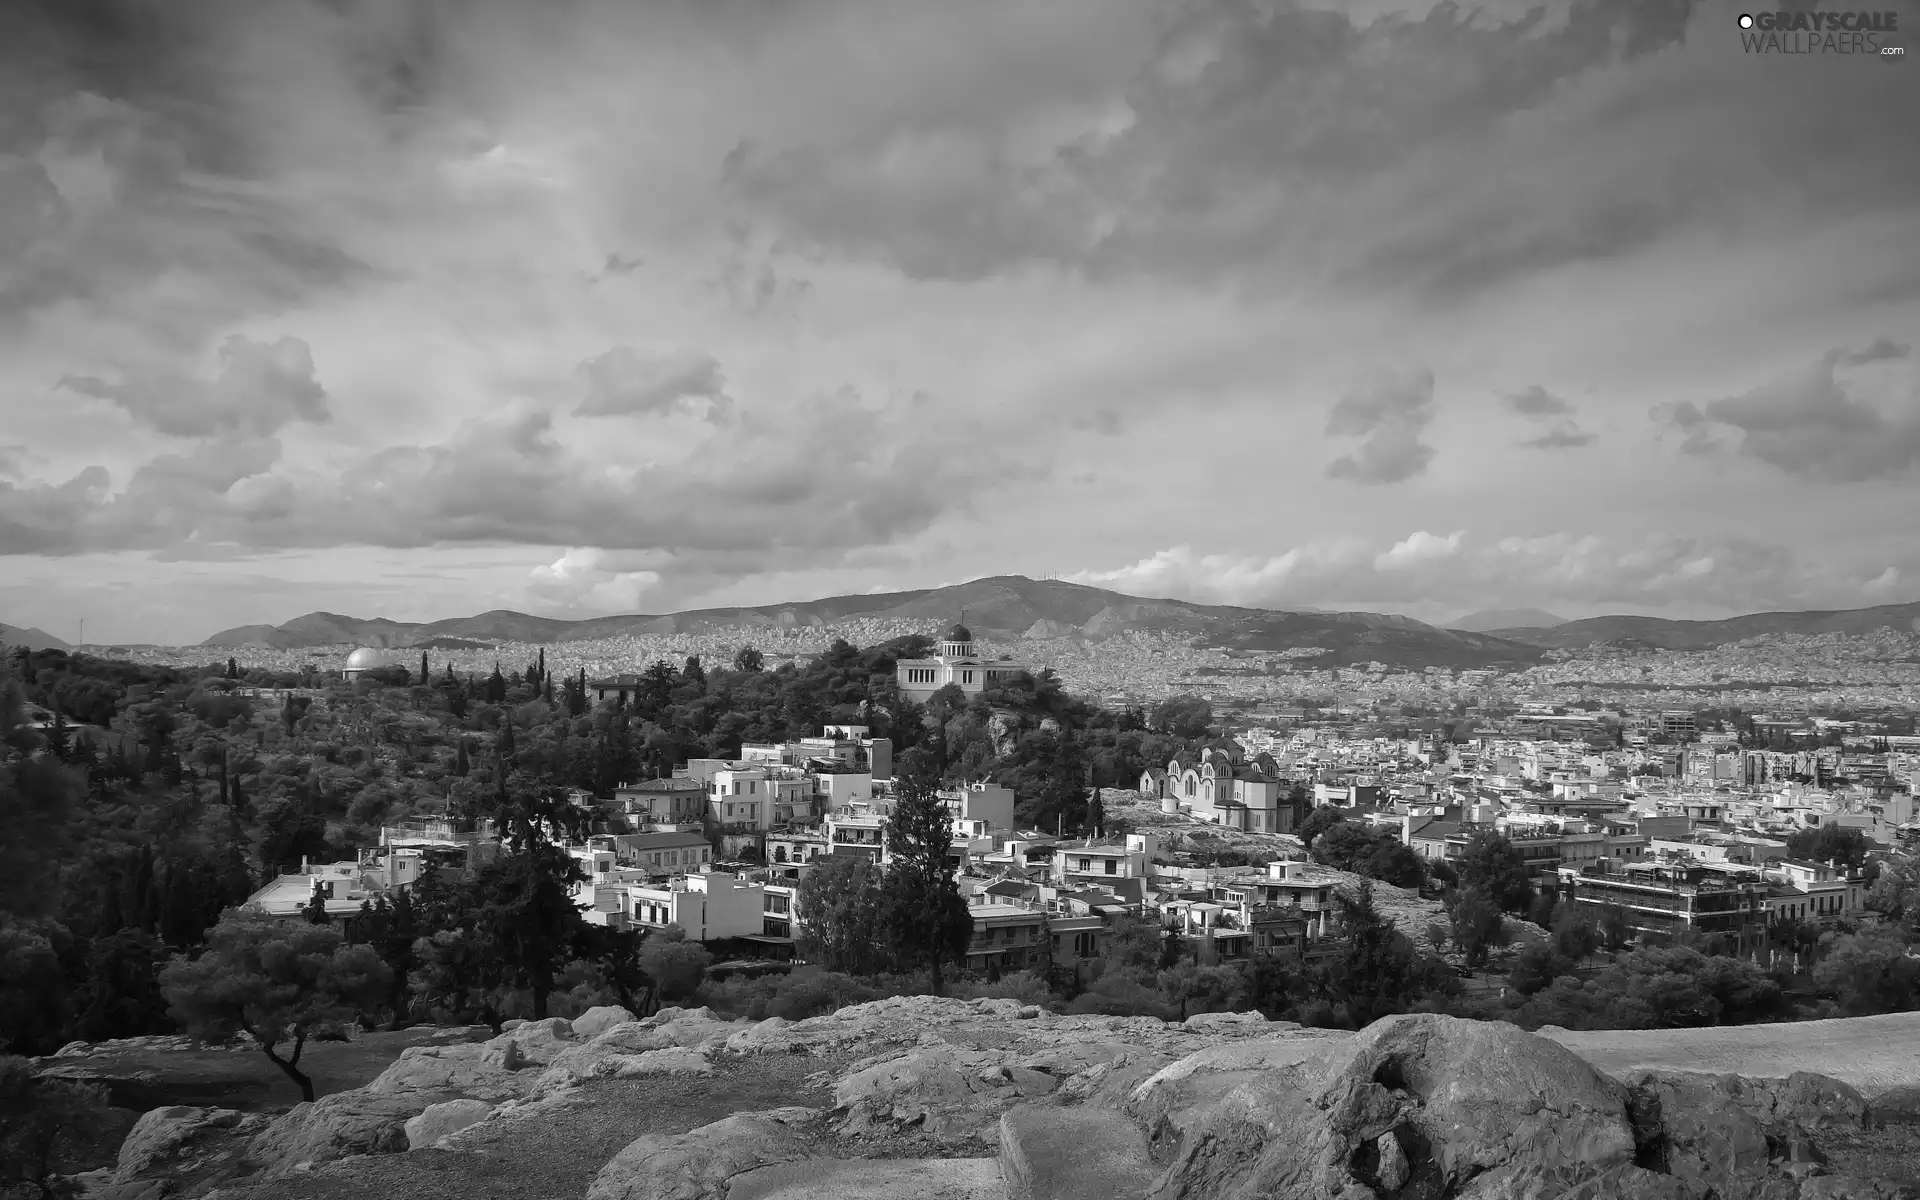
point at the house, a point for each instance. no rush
(663, 853)
(1804, 890)
(1007, 937)
(983, 803)
(796, 846)
(1103, 863)
(662, 801)
(856, 833)
(956, 663)
(709, 906)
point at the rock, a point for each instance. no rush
(1516, 1114)
(338, 1126)
(771, 1036)
(1849, 1187)
(1226, 1021)
(872, 1179)
(952, 1093)
(1392, 1168)
(1165, 1102)
(1706, 1138)
(542, 1041)
(1029, 1012)
(478, 1071)
(510, 1026)
(699, 1163)
(693, 1035)
(439, 1120)
(596, 1021)
(73, 1049)
(179, 1140)
(674, 1060)
(1050, 1153)
(503, 1054)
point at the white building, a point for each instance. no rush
(708, 906)
(956, 663)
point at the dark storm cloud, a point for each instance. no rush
(1812, 422)
(260, 388)
(629, 382)
(1390, 417)
(791, 483)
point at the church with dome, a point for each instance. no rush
(957, 663)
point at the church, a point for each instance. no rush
(956, 663)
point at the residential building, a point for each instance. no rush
(663, 853)
(1008, 937)
(662, 801)
(1668, 897)
(709, 906)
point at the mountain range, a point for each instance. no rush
(1487, 620)
(32, 639)
(1001, 608)
(1008, 607)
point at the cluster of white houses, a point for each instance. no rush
(720, 848)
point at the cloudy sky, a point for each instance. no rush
(413, 309)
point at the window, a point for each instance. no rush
(1113, 867)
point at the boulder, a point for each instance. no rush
(439, 1120)
(701, 1162)
(542, 1041)
(951, 1092)
(479, 1071)
(179, 1140)
(337, 1126)
(692, 1034)
(1078, 1153)
(596, 1021)
(771, 1036)
(1516, 1115)
(1705, 1137)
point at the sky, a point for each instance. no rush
(414, 309)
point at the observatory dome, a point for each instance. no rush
(365, 659)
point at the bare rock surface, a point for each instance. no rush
(889, 1098)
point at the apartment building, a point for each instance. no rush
(1668, 897)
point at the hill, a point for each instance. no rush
(1657, 633)
(1489, 619)
(1005, 607)
(32, 639)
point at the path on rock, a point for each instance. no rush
(1873, 1054)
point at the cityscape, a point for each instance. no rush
(1098, 600)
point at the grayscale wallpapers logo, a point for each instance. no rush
(1874, 33)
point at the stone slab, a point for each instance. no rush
(1073, 1153)
(872, 1179)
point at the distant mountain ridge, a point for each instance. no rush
(32, 639)
(1489, 619)
(1003, 607)
(1659, 633)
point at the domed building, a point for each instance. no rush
(365, 659)
(957, 662)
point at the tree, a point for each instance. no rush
(276, 981)
(1837, 843)
(1478, 925)
(749, 660)
(315, 910)
(1182, 717)
(1868, 972)
(527, 917)
(40, 798)
(233, 668)
(1492, 865)
(496, 688)
(693, 672)
(1376, 971)
(44, 1125)
(457, 975)
(925, 913)
(1535, 967)
(122, 996)
(1096, 814)
(1317, 822)
(676, 965)
(838, 911)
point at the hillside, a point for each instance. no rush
(1487, 620)
(1003, 608)
(1660, 634)
(32, 639)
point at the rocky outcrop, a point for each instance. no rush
(596, 1021)
(1219, 1105)
(337, 1126)
(178, 1142)
(700, 1163)
(440, 1120)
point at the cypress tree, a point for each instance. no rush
(460, 763)
(426, 677)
